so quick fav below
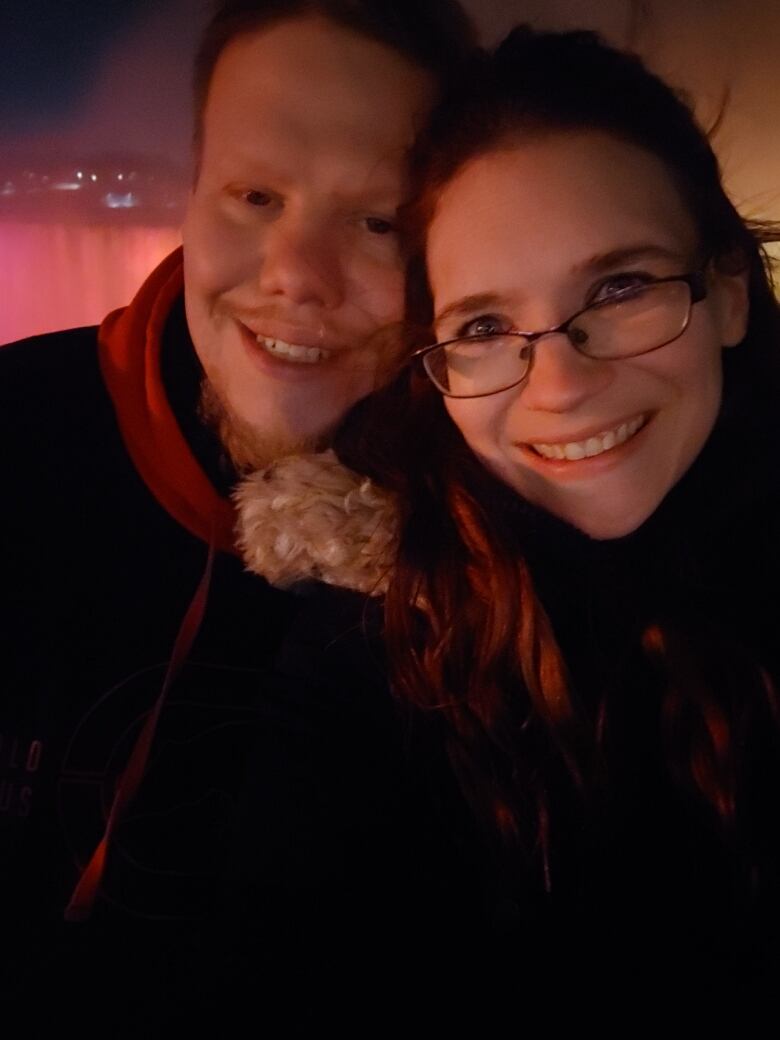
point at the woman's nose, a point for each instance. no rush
(560, 379)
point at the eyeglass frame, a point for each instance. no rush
(697, 285)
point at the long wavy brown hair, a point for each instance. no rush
(469, 640)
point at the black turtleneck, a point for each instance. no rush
(643, 864)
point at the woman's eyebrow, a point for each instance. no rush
(628, 255)
(469, 304)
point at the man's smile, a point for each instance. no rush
(294, 352)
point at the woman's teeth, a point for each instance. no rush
(293, 351)
(574, 450)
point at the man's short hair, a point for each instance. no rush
(435, 35)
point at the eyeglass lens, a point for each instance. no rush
(638, 321)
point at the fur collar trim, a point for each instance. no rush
(309, 517)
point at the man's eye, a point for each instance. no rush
(257, 198)
(379, 226)
(485, 325)
(618, 285)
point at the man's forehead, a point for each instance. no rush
(308, 102)
(311, 66)
(323, 166)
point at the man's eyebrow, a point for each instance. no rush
(247, 165)
(469, 304)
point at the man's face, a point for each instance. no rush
(292, 269)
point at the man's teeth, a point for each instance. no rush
(575, 450)
(293, 351)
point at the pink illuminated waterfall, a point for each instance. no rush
(75, 242)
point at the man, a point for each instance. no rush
(120, 450)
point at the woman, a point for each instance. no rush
(581, 602)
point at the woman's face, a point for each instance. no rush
(525, 236)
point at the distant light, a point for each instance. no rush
(120, 176)
(93, 176)
(66, 186)
(114, 200)
(79, 175)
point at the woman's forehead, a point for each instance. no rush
(562, 201)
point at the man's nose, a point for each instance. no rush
(561, 379)
(300, 260)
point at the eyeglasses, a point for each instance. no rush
(630, 322)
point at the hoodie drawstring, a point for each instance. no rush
(83, 899)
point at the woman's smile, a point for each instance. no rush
(587, 447)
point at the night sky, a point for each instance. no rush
(50, 51)
(81, 77)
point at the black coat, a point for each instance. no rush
(279, 831)
(651, 895)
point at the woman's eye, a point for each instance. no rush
(379, 226)
(257, 198)
(618, 284)
(485, 325)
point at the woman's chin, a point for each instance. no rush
(602, 517)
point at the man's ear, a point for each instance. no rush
(730, 294)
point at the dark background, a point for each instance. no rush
(101, 88)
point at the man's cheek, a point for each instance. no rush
(377, 294)
(384, 353)
(219, 255)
